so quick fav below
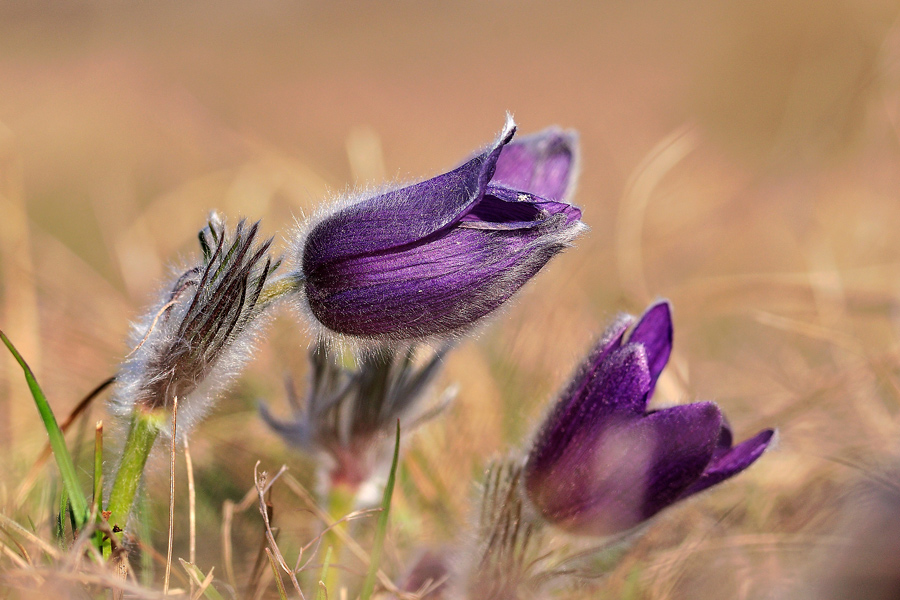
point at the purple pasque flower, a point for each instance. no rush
(434, 257)
(602, 462)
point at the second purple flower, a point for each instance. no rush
(603, 462)
(434, 257)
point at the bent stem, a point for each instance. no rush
(145, 427)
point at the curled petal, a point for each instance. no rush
(542, 163)
(405, 215)
(439, 287)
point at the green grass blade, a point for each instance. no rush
(381, 528)
(198, 576)
(282, 593)
(57, 441)
(61, 519)
(322, 592)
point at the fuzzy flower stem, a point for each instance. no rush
(282, 286)
(145, 427)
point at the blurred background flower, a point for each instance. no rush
(604, 461)
(349, 414)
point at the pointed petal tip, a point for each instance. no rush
(658, 314)
(509, 127)
(768, 438)
(655, 332)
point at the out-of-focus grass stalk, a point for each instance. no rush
(340, 502)
(97, 500)
(57, 441)
(145, 427)
(322, 591)
(279, 582)
(20, 305)
(381, 529)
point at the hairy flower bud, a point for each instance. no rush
(200, 332)
(434, 257)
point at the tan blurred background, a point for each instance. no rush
(739, 158)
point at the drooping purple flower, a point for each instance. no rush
(436, 256)
(602, 462)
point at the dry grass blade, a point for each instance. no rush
(635, 200)
(11, 525)
(192, 507)
(171, 495)
(23, 553)
(357, 550)
(21, 562)
(262, 486)
(229, 508)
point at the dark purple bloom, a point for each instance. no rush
(602, 462)
(434, 257)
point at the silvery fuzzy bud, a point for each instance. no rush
(201, 330)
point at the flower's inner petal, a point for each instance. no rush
(684, 439)
(726, 439)
(542, 164)
(654, 331)
(493, 210)
(403, 216)
(732, 462)
(503, 208)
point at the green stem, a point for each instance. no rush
(341, 500)
(144, 431)
(381, 529)
(279, 287)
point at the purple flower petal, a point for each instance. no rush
(601, 463)
(405, 215)
(542, 163)
(685, 438)
(555, 474)
(438, 287)
(732, 462)
(725, 441)
(654, 331)
(611, 340)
